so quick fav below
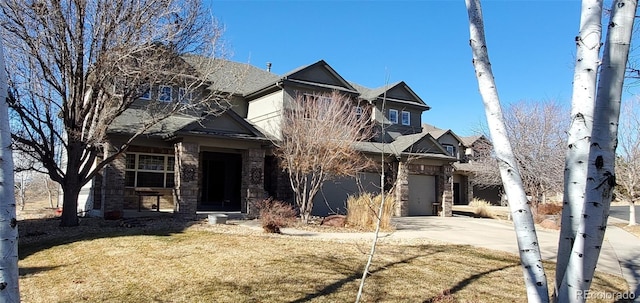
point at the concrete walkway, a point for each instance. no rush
(620, 253)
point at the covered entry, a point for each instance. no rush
(422, 195)
(221, 181)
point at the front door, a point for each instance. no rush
(221, 181)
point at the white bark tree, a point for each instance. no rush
(532, 267)
(537, 132)
(628, 159)
(78, 65)
(318, 135)
(579, 134)
(9, 290)
(600, 179)
(589, 180)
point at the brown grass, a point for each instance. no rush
(362, 211)
(635, 229)
(162, 260)
(482, 208)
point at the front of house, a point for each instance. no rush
(193, 162)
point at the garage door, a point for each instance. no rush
(332, 197)
(422, 193)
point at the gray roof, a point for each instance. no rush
(371, 94)
(401, 145)
(133, 119)
(468, 141)
(232, 77)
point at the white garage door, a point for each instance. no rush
(422, 194)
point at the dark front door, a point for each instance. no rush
(456, 193)
(221, 179)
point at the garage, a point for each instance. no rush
(332, 197)
(422, 195)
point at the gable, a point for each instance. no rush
(320, 73)
(449, 139)
(227, 123)
(425, 145)
(401, 92)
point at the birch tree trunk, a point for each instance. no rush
(534, 275)
(9, 291)
(601, 175)
(632, 213)
(577, 154)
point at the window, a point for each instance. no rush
(146, 95)
(406, 118)
(451, 150)
(184, 95)
(393, 116)
(358, 112)
(149, 170)
(164, 93)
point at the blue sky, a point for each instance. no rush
(424, 43)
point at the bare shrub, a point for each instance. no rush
(443, 297)
(542, 210)
(362, 211)
(275, 214)
(481, 208)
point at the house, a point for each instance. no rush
(191, 162)
(467, 167)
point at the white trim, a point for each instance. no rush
(183, 96)
(161, 93)
(408, 117)
(393, 121)
(165, 170)
(148, 97)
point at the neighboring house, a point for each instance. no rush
(461, 183)
(201, 162)
(467, 167)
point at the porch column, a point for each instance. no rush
(469, 189)
(186, 180)
(252, 181)
(402, 190)
(112, 195)
(447, 192)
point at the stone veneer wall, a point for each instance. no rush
(112, 198)
(186, 171)
(402, 189)
(252, 181)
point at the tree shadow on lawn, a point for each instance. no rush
(355, 275)
(346, 268)
(40, 234)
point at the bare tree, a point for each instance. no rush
(318, 136)
(78, 65)
(534, 275)
(628, 159)
(9, 290)
(537, 132)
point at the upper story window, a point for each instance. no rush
(393, 116)
(184, 95)
(164, 93)
(451, 150)
(149, 170)
(146, 95)
(358, 111)
(406, 118)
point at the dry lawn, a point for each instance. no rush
(162, 260)
(635, 229)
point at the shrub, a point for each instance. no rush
(362, 211)
(542, 210)
(481, 208)
(275, 214)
